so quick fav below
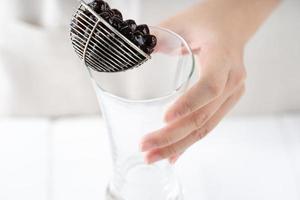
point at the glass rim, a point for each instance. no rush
(185, 82)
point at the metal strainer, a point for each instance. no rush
(101, 46)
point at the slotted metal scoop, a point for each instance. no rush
(101, 46)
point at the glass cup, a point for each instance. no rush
(133, 104)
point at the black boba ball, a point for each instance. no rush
(104, 6)
(128, 26)
(151, 41)
(99, 6)
(138, 39)
(150, 50)
(105, 15)
(115, 22)
(147, 50)
(117, 13)
(143, 28)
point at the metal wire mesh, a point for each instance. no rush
(101, 46)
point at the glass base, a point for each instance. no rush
(146, 182)
(112, 196)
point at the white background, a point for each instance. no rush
(244, 158)
(48, 154)
(40, 74)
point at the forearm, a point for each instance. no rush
(244, 17)
(234, 21)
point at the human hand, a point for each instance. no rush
(217, 34)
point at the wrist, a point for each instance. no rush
(233, 20)
(242, 18)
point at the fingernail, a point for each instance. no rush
(146, 146)
(173, 160)
(153, 158)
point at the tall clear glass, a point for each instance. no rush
(133, 104)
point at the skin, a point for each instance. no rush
(217, 31)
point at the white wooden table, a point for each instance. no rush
(245, 158)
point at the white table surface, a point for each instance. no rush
(245, 158)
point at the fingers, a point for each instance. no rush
(199, 95)
(174, 158)
(214, 75)
(180, 128)
(179, 147)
